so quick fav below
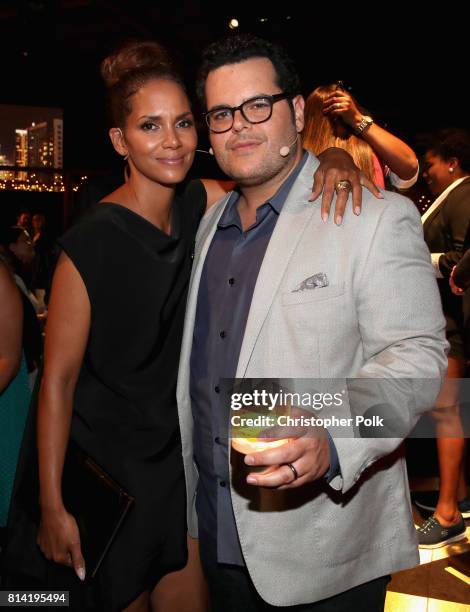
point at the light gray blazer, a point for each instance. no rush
(379, 317)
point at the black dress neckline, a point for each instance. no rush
(174, 235)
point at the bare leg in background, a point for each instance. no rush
(450, 449)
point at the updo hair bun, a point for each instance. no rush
(135, 56)
(130, 68)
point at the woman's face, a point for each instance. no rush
(436, 172)
(37, 222)
(159, 136)
(23, 248)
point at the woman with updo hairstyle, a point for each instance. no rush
(333, 118)
(113, 337)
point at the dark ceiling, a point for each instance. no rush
(402, 71)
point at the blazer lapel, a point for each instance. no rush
(293, 220)
(433, 215)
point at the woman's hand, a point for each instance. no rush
(340, 104)
(337, 165)
(59, 540)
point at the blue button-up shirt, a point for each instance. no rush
(225, 292)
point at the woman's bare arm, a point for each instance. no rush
(11, 327)
(67, 333)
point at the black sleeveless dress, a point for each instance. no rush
(125, 413)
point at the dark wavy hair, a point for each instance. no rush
(450, 142)
(240, 47)
(130, 68)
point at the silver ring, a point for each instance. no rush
(294, 471)
(343, 185)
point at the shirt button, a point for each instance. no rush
(217, 440)
(222, 334)
(223, 483)
(231, 281)
(217, 389)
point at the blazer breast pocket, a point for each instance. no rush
(319, 294)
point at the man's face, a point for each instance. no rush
(249, 153)
(24, 219)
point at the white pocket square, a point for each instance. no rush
(313, 282)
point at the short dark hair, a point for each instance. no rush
(450, 142)
(240, 47)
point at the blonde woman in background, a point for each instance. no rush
(334, 119)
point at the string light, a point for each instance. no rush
(33, 183)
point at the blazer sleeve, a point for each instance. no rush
(456, 216)
(403, 335)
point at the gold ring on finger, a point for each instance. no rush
(343, 186)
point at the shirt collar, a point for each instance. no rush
(230, 215)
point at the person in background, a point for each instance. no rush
(42, 266)
(24, 220)
(18, 253)
(333, 118)
(14, 385)
(446, 226)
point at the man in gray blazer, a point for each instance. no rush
(277, 293)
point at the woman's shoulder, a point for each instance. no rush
(98, 221)
(90, 239)
(461, 192)
(195, 191)
(457, 203)
(193, 199)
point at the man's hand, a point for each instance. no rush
(337, 165)
(455, 290)
(309, 455)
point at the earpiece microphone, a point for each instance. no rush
(209, 152)
(284, 151)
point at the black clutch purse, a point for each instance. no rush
(97, 502)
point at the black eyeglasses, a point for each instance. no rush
(254, 110)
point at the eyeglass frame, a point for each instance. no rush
(233, 109)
